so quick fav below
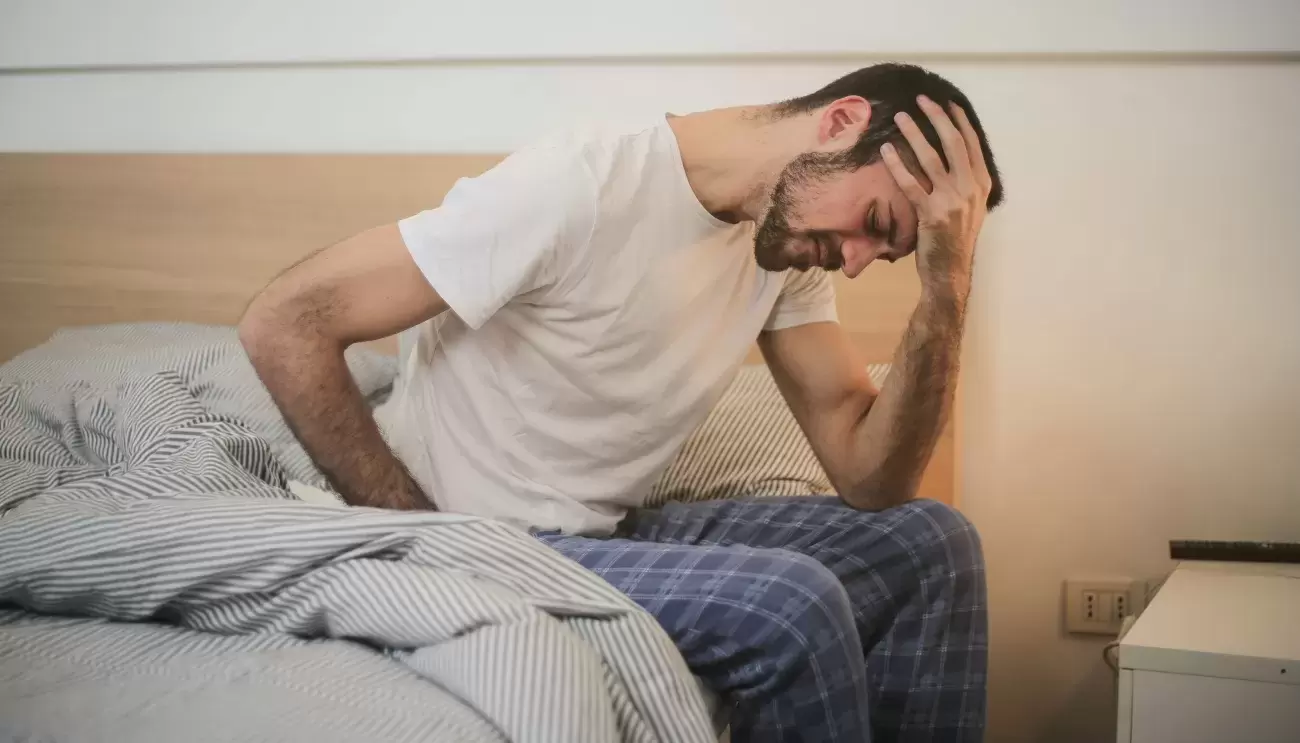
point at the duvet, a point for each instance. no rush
(158, 581)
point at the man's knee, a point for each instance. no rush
(938, 533)
(799, 622)
(819, 585)
(943, 551)
(805, 603)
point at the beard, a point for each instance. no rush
(774, 233)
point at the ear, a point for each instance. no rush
(845, 118)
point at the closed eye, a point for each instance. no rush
(873, 228)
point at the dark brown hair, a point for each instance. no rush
(891, 88)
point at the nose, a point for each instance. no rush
(857, 255)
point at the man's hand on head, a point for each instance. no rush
(951, 213)
(875, 446)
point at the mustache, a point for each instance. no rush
(777, 245)
(823, 254)
(834, 260)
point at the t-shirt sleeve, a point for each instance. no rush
(806, 297)
(504, 233)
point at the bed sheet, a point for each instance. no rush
(161, 583)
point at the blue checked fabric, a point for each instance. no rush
(776, 602)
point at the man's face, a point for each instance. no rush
(832, 218)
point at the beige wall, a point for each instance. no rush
(1133, 367)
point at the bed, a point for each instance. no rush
(126, 403)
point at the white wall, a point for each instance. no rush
(1133, 365)
(401, 75)
(1133, 370)
(55, 33)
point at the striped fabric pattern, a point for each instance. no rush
(142, 498)
(749, 445)
(211, 361)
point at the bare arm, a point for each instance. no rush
(875, 447)
(295, 332)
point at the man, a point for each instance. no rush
(575, 312)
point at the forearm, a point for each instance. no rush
(893, 441)
(308, 378)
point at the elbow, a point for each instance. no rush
(881, 489)
(258, 329)
(277, 320)
(273, 322)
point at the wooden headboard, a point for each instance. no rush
(87, 239)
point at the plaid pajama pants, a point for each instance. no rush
(775, 602)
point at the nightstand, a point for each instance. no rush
(1215, 658)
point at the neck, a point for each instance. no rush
(733, 156)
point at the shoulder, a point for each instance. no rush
(575, 168)
(544, 190)
(551, 169)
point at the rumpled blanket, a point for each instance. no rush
(159, 582)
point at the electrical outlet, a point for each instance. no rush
(1099, 605)
(1092, 606)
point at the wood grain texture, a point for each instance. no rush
(89, 239)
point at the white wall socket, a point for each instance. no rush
(1099, 605)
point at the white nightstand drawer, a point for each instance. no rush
(1177, 708)
(1215, 658)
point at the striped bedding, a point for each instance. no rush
(749, 445)
(158, 581)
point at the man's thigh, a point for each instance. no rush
(818, 526)
(664, 576)
(877, 556)
(913, 576)
(709, 596)
(764, 522)
(770, 630)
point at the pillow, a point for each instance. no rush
(749, 445)
(209, 358)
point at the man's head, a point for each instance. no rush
(836, 205)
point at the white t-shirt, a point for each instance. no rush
(599, 314)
